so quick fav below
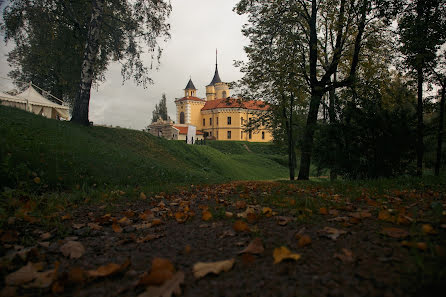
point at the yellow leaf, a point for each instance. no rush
(304, 240)
(142, 196)
(109, 269)
(207, 215)
(200, 269)
(116, 228)
(267, 211)
(37, 180)
(240, 226)
(282, 253)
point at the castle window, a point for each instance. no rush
(217, 120)
(229, 120)
(210, 121)
(250, 134)
(229, 134)
(263, 135)
(241, 135)
(210, 133)
(204, 122)
(241, 120)
(182, 118)
(224, 94)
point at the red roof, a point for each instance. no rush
(235, 103)
(190, 98)
(183, 130)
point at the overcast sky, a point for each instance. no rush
(198, 27)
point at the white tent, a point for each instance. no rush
(32, 101)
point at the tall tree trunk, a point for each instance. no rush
(332, 117)
(82, 103)
(440, 130)
(307, 143)
(291, 146)
(420, 126)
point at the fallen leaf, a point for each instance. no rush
(200, 269)
(304, 240)
(240, 204)
(282, 253)
(161, 271)
(72, 249)
(283, 221)
(142, 196)
(240, 226)
(172, 286)
(268, 212)
(229, 214)
(108, 269)
(206, 216)
(181, 217)
(116, 228)
(124, 221)
(323, 211)
(77, 275)
(395, 232)
(333, 212)
(9, 236)
(419, 245)
(45, 236)
(24, 275)
(332, 233)
(428, 229)
(37, 180)
(254, 247)
(346, 256)
(78, 226)
(384, 215)
(94, 226)
(248, 211)
(43, 279)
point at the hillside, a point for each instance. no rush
(40, 154)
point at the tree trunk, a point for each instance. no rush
(307, 143)
(332, 117)
(420, 126)
(440, 130)
(289, 130)
(82, 102)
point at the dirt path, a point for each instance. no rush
(369, 246)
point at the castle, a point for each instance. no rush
(219, 116)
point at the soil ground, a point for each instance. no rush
(390, 243)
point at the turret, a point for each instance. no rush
(190, 90)
(216, 89)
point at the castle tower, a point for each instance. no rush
(216, 89)
(190, 90)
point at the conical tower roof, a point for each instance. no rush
(216, 78)
(190, 85)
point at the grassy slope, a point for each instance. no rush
(64, 155)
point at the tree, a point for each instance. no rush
(345, 23)
(83, 37)
(160, 110)
(421, 27)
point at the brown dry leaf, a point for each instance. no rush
(248, 210)
(251, 218)
(66, 217)
(240, 226)
(181, 217)
(346, 256)
(206, 216)
(161, 271)
(124, 221)
(419, 245)
(229, 214)
(268, 212)
(254, 247)
(43, 279)
(142, 196)
(9, 236)
(116, 228)
(304, 240)
(283, 221)
(156, 222)
(172, 286)
(333, 212)
(94, 226)
(77, 226)
(45, 236)
(384, 215)
(109, 269)
(323, 211)
(428, 229)
(72, 249)
(332, 233)
(24, 275)
(148, 237)
(240, 204)
(200, 269)
(395, 232)
(282, 253)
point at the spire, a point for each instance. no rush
(216, 78)
(190, 85)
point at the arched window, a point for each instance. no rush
(182, 118)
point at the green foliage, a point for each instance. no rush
(66, 156)
(50, 38)
(160, 110)
(376, 134)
